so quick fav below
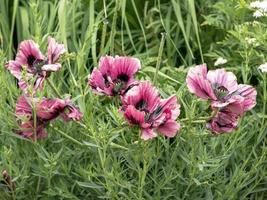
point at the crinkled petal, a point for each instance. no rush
(105, 65)
(29, 53)
(198, 84)
(51, 67)
(220, 77)
(169, 128)
(124, 68)
(249, 93)
(23, 106)
(49, 109)
(14, 68)
(54, 50)
(223, 122)
(27, 130)
(148, 134)
(99, 84)
(134, 116)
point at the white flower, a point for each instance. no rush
(262, 5)
(258, 14)
(263, 68)
(255, 4)
(250, 40)
(220, 61)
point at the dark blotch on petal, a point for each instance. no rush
(123, 77)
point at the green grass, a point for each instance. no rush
(109, 161)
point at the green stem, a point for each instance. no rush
(38, 186)
(34, 120)
(103, 36)
(200, 119)
(264, 92)
(53, 88)
(113, 28)
(163, 37)
(67, 136)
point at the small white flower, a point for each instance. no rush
(259, 4)
(220, 61)
(263, 68)
(250, 40)
(258, 14)
(255, 4)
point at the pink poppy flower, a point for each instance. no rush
(113, 75)
(31, 63)
(221, 88)
(223, 122)
(142, 106)
(46, 111)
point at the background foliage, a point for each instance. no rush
(111, 162)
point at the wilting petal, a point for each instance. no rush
(51, 67)
(54, 50)
(171, 103)
(220, 77)
(23, 107)
(98, 83)
(249, 93)
(14, 68)
(134, 116)
(49, 109)
(148, 134)
(29, 54)
(71, 112)
(198, 84)
(124, 69)
(27, 130)
(169, 128)
(235, 105)
(223, 122)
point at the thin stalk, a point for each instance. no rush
(15, 6)
(38, 186)
(103, 36)
(264, 92)
(53, 88)
(113, 28)
(34, 121)
(163, 37)
(67, 136)
(200, 119)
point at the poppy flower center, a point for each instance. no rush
(221, 92)
(141, 105)
(106, 80)
(123, 77)
(30, 60)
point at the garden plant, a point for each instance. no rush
(132, 99)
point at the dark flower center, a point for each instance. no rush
(106, 80)
(123, 77)
(141, 105)
(30, 60)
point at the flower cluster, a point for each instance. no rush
(141, 102)
(31, 68)
(229, 100)
(45, 110)
(31, 64)
(261, 8)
